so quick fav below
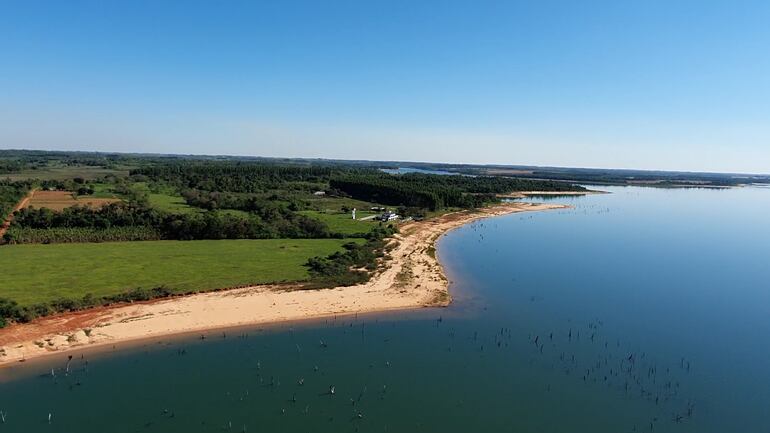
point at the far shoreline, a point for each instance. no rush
(412, 278)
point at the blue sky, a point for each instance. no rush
(648, 84)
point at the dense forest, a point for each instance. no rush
(237, 177)
(32, 225)
(436, 192)
(12, 161)
(207, 185)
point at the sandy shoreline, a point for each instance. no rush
(411, 278)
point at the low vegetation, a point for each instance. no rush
(355, 265)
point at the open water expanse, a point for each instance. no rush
(637, 311)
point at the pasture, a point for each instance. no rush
(164, 198)
(170, 203)
(42, 273)
(343, 222)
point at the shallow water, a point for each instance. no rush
(641, 310)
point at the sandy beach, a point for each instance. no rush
(410, 278)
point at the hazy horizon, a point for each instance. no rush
(656, 86)
(404, 162)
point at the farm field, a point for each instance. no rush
(42, 273)
(58, 200)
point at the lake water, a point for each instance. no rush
(641, 310)
(408, 170)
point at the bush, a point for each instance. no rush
(11, 311)
(354, 265)
(24, 235)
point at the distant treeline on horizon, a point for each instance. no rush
(17, 160)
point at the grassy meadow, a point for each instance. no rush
(343, 222)
(42, 273)
(170, 203)
(164, 198)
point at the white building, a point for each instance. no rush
(388, 216)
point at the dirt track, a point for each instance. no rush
(20, 205)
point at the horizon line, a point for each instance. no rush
(502, 165)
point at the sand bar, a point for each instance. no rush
(411, 278)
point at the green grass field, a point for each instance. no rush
(343, 222)
(170, 203)
(104, 190)
(40, 273)
(164, 198)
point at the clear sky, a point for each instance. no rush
(626, 84)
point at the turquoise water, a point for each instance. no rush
(641, 310)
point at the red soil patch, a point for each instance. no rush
(58, 200)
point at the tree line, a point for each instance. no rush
(269, 223)
(213, 185)
(242, 177)
(436, 192)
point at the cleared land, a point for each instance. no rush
(41, 273)
(58, 200)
